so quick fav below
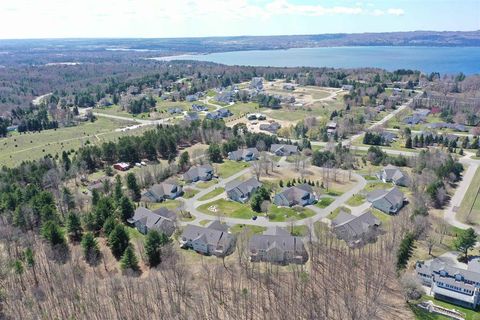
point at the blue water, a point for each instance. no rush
(446, 60)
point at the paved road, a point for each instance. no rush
(192, 204)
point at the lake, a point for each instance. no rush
(446, 60)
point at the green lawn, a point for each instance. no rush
(230, 209)
(356, 200)
(469, 314)
(189, 193)
(135, 234)
(277, 214)
(470, 208)
(228, 168)
(334, 193)
(376, 186)
(36, 145)
(324, 202)
(242, 108)
(212, 194)
(298, 230)
(205, 222)
(169, 204)
(251, 229)
(206, 184)
(383, 217)
(336, 212)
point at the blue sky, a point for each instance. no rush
(194, 18)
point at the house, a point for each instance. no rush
(241, 191)
(162, 191)
(225, 96)
(277, 245)
(380, 108)
(421, 112)
(388, 201)
(388, 137)
(203, 173)
(249, 154)
(393, 174)
(256, 83)
(219, 114)
(270, 127)
(212, 240)
(121, 166)
(301, 195)
(355, 230)
(444, 125)
(256, 116)
(192, 116)
(193, 97)
(12, 128)
(199, 108)
(161, 220)
(347, 87)
(175, 110)
(289, 86)
(451, 283)
(283, 149)
(331, 128)
(413, 120)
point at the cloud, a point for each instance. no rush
(396, 11)
(283, 7)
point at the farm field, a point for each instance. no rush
(31, 146)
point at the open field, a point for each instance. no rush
(250, 229)
(169, 204)
(469, 211)
(228, 168)
(356, 200)
(212, 194)
(206, 184)
(31, 146)
(324, 202)
(227, 208)
(279, 214)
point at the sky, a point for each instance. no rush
(21, 19)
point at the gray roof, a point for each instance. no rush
(161, 219)
(393, 196)
(197, 171)
(276, 238)
(242, 153)
(392, 173)
(288, 148)
(211, 235)
(243, 187)
(296, 193)
(159, 190)
(353, 227)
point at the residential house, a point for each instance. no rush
(161, 220)
(388, 137)
(162, 191)
(380, 108)
(193, 97)
(121, 166)
(192, 116)
(388, 201)
(283, 149)
(356, 230)
(256, 83)
(289, 86)
(225, 96)
(256, 116)
(444, 125)
(219, 114)
(196, 173)
(270, 127)
(331, 128)
(199, 108)
(413, 119)
(211, 240)
(301, 195)
(451, 283)
(277, 245)
(422, 112)
(12, 128)
(347, 87)
(175, 110)
(241, 191)
(393, 174)
(249, 154)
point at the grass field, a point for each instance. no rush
(206, 184)
(251, 229)
(356, 200)
(169, 204)
(189, 193)
(276, 214)
(32, 146)
(230, 209)
(383, 217)
(228, 168)
(469, 211)
(324, 202)
(212, 194)
(205, 222)
(336, 212)
(469, 314)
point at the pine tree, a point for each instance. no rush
(465, 241)
(90, 249)
(95, 197)
(52, 232)
(408, 143)
(118, 240)
(74, 226)
(129, 260)
(117, 192)
(133, 186)
(126, 209)
(280, 183)
(153, 244)
(109, 225)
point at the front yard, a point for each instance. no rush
(228, 168)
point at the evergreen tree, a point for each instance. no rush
(126, 209)
(184, 161)
(129, 260)
(67, 163)
(74, 226)
(19, 219)
(90, 248)
(215, 153)
(109, 225)
(52, 232)
(465, 241)
(68, 199)
(117, 192)
(118, 240)
(153, 244)
(133, 186)
(408, 143)
(280, 183)
(95, 197)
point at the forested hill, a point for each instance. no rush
(35, 51)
